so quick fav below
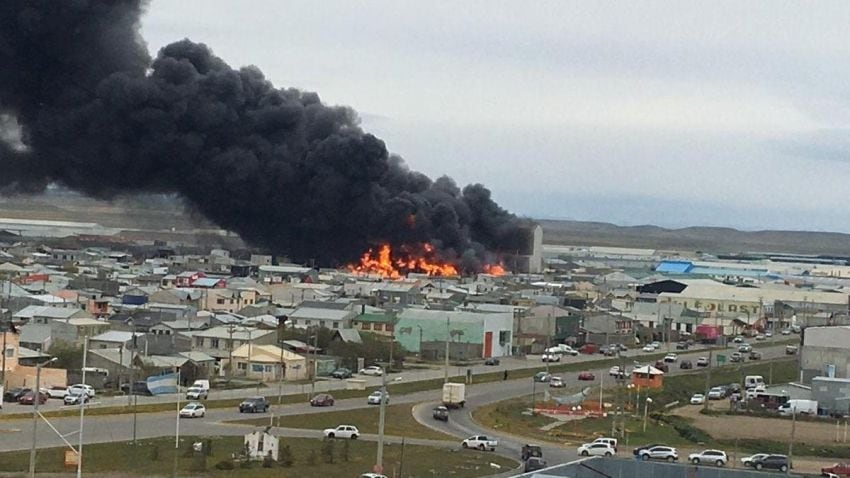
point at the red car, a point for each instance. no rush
(837, 469)
(322, 400)
(586, 376)
(29, 397)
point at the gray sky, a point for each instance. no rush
(671, 113)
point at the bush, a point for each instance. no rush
(225, 465)
(208, 447)
(284, 456)
(154, 454)
(311, 458)
(268, 461)
(328, 450)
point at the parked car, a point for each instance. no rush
(639, 449)
(745, 348)
(14, 394)
(760, 337)
(755, 355)
(372, 370)
(193, 410)
(671, 358)
(529, 450)
(733, 388)
(586, 376)
(656, 345)
(596, 449)
(736, 357)
(533, 464)
(615, 371)
(29, 398)
(610, 441)
(322, 400)
(738, 339)
(542, 377)
(557, 382)
(790, 350)
(662, 365)
(659, 453)
(492, 361)
(786, 331)
(772, 462)
(697, 399)
(88, 389)
(768, 334)
(648, 348)
(748, 460)
(197, 393)
(682, 346)
(480, 442)
(702, 362)
(714, 457)
(75, 397)
(341, 373)
(56, 392)
(254, 405)
(372, 475)
(686, 364)
(841, 469)
(717, 393)
(440, 413)
(550, 357)
(342, 431)
(375, 397)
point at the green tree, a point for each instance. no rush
(68, 356)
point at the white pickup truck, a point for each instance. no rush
(480, 442)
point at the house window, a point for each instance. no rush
(336, 325)
(199, 341)
(268, 369)
(389, 327)
(214, 343)
(378, 327)
(322, 324)
(241, 366)
(308, 322)
(10, 352)
(219, 301)
(256, 367)
(366, 326)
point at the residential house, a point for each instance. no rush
(377, 323)
(118, 362)
(187, 279)
(293, 294)
(229, 300)
(400, 293)
(75, 331)
(114, 339)
(269, 363)
(286, 273)
(329, 318)
(43, 314)
(470, 334)
(219, 341)
(178, 296)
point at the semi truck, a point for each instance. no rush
(454, 395)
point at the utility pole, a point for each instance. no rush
(448, 336)
(379, 460)
(36, 399)
(791, 443)
(82, 411)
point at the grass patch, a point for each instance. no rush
(399, 421)
(156, 458)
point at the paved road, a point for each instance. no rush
(509, 363)
(17, 434)
(462, 425)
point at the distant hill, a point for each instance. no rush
(708, 239)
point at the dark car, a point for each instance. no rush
(639, 449)
(254, 405)
(682, 346)
(686, 364)
(492, 361)
(660, 365)
(29, 398)
(341, 373)
(534, 463)
(733, 388)
(531, 451)
(441, 413)
(772, 462)
(14, 394)
(138, 388)
(755, 355)
(322, 400)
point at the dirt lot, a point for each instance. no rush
(742, 426)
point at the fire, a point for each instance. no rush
(412, 259)
(495, 269)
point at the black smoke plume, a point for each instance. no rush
(286, 172)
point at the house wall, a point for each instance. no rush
(814, 361)
(25, 377)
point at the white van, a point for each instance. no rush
(806, 407)
(199, 390)
(753, 381)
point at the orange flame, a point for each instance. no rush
(495, 269)
(420, 259)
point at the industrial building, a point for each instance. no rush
(825, 353)
(470, 334)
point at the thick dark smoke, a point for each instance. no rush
(283, 170)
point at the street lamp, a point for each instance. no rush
(36, 399)
(646, 411)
